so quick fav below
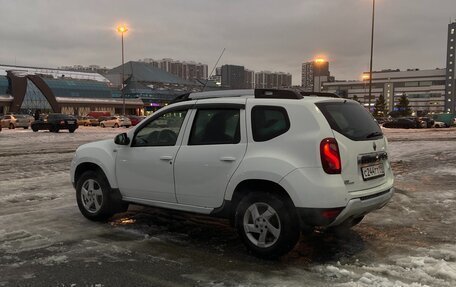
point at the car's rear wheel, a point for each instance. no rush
(34, 129)
(93, 195)
(71, 130)
(116, 125)
(267, 224)
(127, 127)
(11, 126)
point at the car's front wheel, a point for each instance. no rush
(93, 196)
(267, 224)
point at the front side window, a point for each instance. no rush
(162, 131)
(269, 122)
(215, 126)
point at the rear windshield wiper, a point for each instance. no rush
(374, 134)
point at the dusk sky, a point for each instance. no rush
(261, 35)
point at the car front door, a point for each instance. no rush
(210, 153)
(144, 169)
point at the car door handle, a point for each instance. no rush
(227, 158)
(166, 157)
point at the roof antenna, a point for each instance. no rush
(215, 66)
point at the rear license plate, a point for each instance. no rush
(373, 171)
(70, 122)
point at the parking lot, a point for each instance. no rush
(45, 241)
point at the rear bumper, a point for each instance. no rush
(356, 207)
(360, 206)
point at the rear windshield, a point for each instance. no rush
(351, 119)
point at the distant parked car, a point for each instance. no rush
(426, 122)
(116, 122)
(88, 121)
(55, 122)
(439, 125)
(98, 114)
(400, 123)
(15, 121)
(135, 119)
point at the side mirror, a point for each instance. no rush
(122, 139)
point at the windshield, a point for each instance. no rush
(351, 119)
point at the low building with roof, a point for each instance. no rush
(27, 89)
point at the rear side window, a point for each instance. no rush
(269, 122)
(351, 119)
(215, 126)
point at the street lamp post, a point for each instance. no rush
(122, 29)
(371, 54)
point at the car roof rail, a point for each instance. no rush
(319, 94)
(257, 93)
(277, 94)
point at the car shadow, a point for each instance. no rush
(217, 237)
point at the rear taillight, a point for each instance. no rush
(330, 157)
(62, 122)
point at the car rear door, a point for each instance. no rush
(213, 147)
(362, 146)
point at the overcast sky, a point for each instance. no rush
(275, 35)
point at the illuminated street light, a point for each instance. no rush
(122, 29)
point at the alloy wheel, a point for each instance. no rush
(262, 224)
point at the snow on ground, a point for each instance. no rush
(44, 241)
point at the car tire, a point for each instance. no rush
(11, 126)
(71, 130)
(116, 125)
(102, 125)
(34, 130)
(93, 195)
(267, 224)
(25, 128)
(127, 127)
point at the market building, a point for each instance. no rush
(425, 89)
(28, 89)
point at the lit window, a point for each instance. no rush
(449, 100)
(451, 55)
(451, 47)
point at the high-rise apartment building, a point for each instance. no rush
(450, 89)
(249, 78)
(267, 79)
(314, 74)
(187, 70)
(233, 77)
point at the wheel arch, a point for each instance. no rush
(89, 166)
(228, 209)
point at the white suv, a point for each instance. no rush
(274, 162)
